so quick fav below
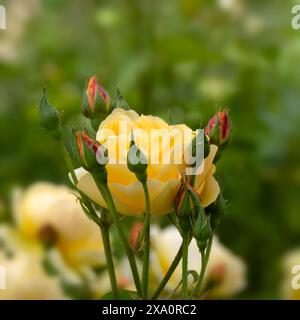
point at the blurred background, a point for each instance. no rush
(184, 58)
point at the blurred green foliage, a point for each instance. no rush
(184, 58)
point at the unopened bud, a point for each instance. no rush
(183, 209)
(96, 101)
(134, 234)
(202, 230)
(137, 161)
(50, 118)
(218, 128)
(90, 154)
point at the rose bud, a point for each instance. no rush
(183, 209)
(202, 231)
(50, 118)
(200, 146)
(134, 234)
(96, 101)
(137, 161)
(180, 199)
(90, 154)
(218, 128)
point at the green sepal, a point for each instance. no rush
(100, 174)
(139, 167)
(120, 101)
(50, 117)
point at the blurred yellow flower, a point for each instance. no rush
(225, 273)
(25, 278)
(163, 178)
(46, 207)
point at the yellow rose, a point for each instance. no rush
(48, 205)
(25, 277)
(163, 178)
(225, 271)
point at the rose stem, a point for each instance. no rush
(205, 258)
(146, 256)
(130, 255)
(104, 227)
(185, 251)
(169, 273)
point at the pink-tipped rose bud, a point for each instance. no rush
(218, 128)
(85, 147)
(96, 101)
(91, 143)
(134, 234)
(88, 152)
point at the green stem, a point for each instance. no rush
(130, 255)
(185, 253)
(104, 227)
(84, 198)
(193, 178)
(169, 273)
(146, 256)
(101, 223)
(68, 162)
(204, 261)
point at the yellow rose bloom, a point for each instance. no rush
(164, 179)
(45, 205)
